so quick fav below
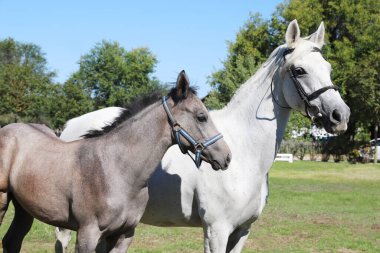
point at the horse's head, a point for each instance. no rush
(192, 127)
(307, 86)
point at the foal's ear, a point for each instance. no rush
(292, 33)
(319, 36)
(182, 85)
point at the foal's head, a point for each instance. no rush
(192, 116)
(307, 84)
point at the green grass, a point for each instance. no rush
(313, 207)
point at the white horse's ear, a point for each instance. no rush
(292, 33)
(319, 36)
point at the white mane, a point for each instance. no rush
(263, 75)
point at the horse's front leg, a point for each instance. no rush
(216, 238)
(237, 239)
(63, 239)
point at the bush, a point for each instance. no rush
(353, 156)
(299, 147)
(338, 147)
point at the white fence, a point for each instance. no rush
(284, 157)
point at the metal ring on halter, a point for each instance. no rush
(178, 131)
(201, 146)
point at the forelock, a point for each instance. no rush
(173, 94)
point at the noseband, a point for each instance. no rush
(306, 98)
(178, 131)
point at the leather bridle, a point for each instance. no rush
(306, 98)
(178, 131)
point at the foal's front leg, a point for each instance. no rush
(120, 244)
(87, 239)
(21, 224)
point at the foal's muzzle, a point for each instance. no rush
(198, 146)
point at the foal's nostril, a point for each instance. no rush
(336, 116)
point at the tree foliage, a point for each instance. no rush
(114, 76)
(71, 100)
(108, 75)
(25, 82)
(244, 56)
(352, 47)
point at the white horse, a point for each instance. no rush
(225, 204)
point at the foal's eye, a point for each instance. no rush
(299, 71)
(201, 117)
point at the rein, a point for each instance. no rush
(306, 98)
(178, 131)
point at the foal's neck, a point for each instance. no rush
(140, 143)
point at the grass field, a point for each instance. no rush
(313, 207)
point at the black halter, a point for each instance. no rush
(178, 131)
(306, 98)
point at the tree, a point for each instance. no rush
(254, 43)
(25, 82)
(353, 32)
(352, 47)
(114, 76)
(244, 56)
(70, 100)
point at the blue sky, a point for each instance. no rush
(183, 34)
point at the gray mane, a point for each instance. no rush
(134, 108)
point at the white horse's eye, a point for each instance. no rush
(299, 71)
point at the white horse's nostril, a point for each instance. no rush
(228, 159)
(336, 116)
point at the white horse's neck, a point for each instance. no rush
(253, 120)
